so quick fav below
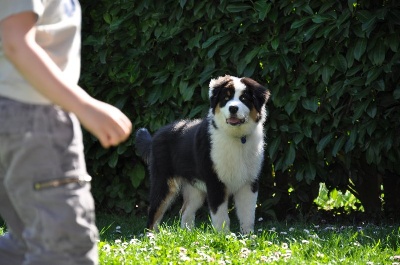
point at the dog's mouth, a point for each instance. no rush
(234, 121)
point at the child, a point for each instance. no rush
(45, 196)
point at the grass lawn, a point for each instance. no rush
(123, 241)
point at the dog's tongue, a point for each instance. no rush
(234, 121)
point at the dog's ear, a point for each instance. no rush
(260, 93)
(214, 97)
(216, 86)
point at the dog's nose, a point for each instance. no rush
(233, 109)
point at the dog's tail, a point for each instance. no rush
(143, 144)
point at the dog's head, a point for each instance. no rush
(237, 102)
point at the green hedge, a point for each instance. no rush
(332, 68)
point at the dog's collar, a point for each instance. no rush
(243, 139)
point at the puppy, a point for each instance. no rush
(212, 158)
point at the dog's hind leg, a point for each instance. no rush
(193, 199)
(245, 202)
(162, 195)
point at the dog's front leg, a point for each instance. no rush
(193, 199)
(245, 201)
(220, 217)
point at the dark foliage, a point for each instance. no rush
(332, 68)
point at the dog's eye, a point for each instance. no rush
(226, 98)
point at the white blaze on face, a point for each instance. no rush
(242, 110)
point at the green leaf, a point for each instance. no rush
(107, 18)
(113, 161)
(213, 39)
(316, 46)
(338, 145)
(319, 18)
(290, 107)
(137, 175)
(310, 172)
(307, 131)
(378, 53)
(393, 41)
(238, 7)
(290, 156)
(364, 16)
(351, 141)
(262, 7)
(275, 44)
(355, 69)
(368, 21)
(372, 110)
(324, 142)
(299, 23)
(359, 110)
(310, 104)
(396, 93)
(250, 56)
(273, 146)
(195, 41)
(182, 3)
(309, 33)
(373, 74)
(340, 63)
(299, 175)
(327, 73)
(186, 91)
(359, 50)
(351, 4)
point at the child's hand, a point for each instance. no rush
(105, 121)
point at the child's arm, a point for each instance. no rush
(106, 122)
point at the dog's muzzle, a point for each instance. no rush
(234, 121)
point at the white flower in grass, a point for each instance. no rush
(182, 250)
(287, 255)
(106, 248)
(205, 257)
(306, 231)
(183, 254)
(291, 229)
(134, 241)
(244, 253)
(285, 246)
(151, 235)
(283, 233)
(117, 241)
(305, 241)
(260, 219)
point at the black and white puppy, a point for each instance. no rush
(211, 158)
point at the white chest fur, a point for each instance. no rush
(235, 162)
